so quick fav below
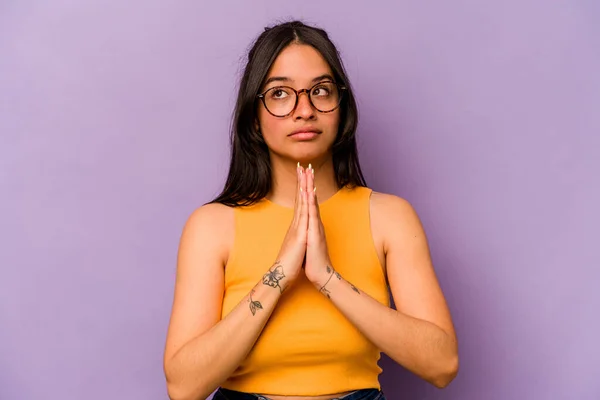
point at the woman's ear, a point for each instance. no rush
(256, 125)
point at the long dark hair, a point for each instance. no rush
(249, 178)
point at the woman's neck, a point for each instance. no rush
(285, 182)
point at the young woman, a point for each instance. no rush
(282, 280)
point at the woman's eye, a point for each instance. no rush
(278, 93)
(321, 91)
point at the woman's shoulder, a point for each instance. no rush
(388, 209)
(211, 214)
(388, 200)
(214, 223)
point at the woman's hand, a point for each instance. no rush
(318, 267)
(291, 255)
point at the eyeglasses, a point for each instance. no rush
(281, 101)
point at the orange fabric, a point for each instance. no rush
(307, 347)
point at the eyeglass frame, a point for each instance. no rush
(341, 88)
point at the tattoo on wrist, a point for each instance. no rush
(331, 272)
(254, 304)
(274, 275)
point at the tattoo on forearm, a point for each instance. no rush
(254, 304)
(274, 275)
(333, 272)
(323, 290)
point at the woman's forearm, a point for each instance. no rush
(418, 345)
(206, 361)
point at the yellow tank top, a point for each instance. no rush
(307, 347)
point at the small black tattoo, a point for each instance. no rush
(354, 288)
(254, 304)
(273, 277)
(337, 275)
(323, 290)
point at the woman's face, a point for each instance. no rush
(300, 67)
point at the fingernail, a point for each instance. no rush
(315, 189)
(301, 190)
(298, 164)
(309, 166)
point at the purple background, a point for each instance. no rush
(114, 121)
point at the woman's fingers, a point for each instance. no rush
(303, 218)
(297, 201)
(310, 185)
(313, 212)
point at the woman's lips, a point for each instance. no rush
(304, 135)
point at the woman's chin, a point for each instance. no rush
(302, 155)
(308, 157)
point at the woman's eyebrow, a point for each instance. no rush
(277, 79)
(322, 78)
(286, 79)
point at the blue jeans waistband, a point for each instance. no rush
(361, 394)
